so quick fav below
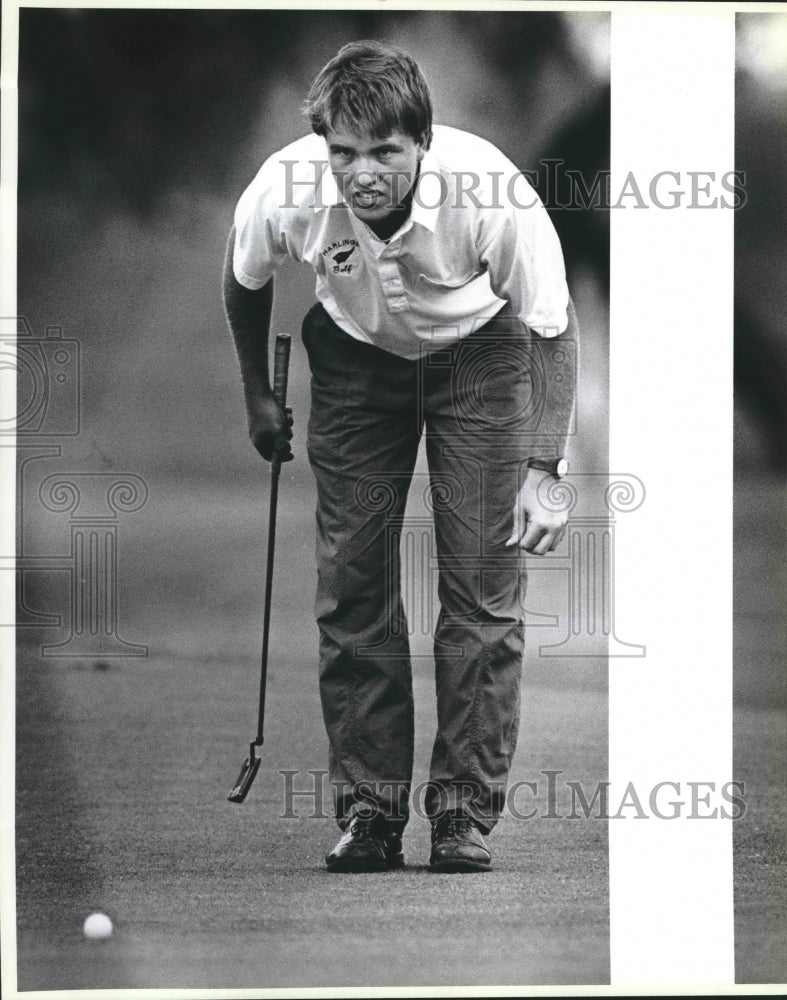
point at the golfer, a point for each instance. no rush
(441, 296)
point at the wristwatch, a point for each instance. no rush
(558, 467)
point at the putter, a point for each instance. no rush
(250, 766)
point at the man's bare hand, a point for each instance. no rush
(270, 430)
(537, 529)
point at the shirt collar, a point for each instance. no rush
(429, 193)
(427, 197)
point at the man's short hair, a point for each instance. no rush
(371, 87)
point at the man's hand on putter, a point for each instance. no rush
(537, 529)
(270, 430)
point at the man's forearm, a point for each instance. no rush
(249, 317)
(559, 358)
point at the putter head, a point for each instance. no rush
(248, 773)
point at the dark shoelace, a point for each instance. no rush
(452, 825)
(365, 828)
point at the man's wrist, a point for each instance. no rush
(554, 465)
(258, 402)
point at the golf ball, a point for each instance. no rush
(97, 926)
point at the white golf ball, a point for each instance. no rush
(97, 926)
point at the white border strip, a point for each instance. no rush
(671, 894)
(8, 182)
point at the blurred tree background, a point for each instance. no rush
(760, 244)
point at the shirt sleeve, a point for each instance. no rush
(260, 244)
(525, 264)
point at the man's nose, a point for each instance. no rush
(366, 177)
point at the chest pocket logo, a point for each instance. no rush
(342, 263)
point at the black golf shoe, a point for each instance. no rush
(367, 845)
(458, 845)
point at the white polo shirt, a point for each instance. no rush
(477, 237)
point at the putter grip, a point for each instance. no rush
(281, 367)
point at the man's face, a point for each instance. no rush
(373, 175)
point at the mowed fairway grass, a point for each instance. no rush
(124, 766)
(760, 731)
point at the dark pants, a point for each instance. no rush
(369, 410)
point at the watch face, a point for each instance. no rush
(562, 467)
